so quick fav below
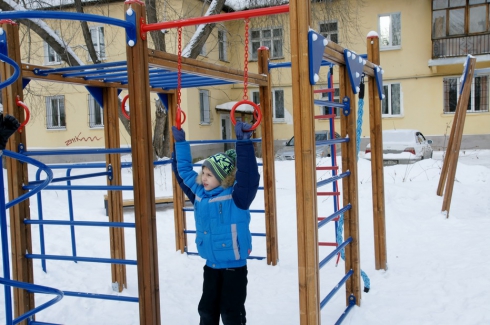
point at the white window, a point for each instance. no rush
(223, 45)
(478, 97)
(277, 103)
(391, 104)
(330, 31)
(50, 55)
(390, 30)
(97, 34)
(204, 106)
(270, 38)
(55, 112)
(95, 113)
(336, 98)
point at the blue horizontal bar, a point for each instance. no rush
(335, 252)
(82, 67)
(75, 152)
(85, 187)
(80, 223)
(33, 322)
(335, 214)
(70, 178)
(288, 64)
(332, 141)
(327, 103)
(221, 141)
(81, 259)
(332, 179)
(95, 72)
(100, 296)
(335, 289)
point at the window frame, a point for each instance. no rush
(390, 46)
(446, 108)
(93, 105)
(254, 95)
(223, 45)
(253, 56)
(388, 97)
(97, 43)
(49, 112)
(328, 34)
(204, 107)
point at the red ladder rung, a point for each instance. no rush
(328, 168)
(326, 90)
(328, 193)
(325, 116)
(334, 219)
(327, 244)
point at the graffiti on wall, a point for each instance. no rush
(79, 138)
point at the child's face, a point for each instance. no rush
(209, 181)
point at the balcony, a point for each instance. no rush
(460, 46)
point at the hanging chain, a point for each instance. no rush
(245, 65)
(179, 68)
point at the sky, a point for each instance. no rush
(437, 267)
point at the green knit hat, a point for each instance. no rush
(221, 164)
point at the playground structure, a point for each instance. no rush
(304, 63)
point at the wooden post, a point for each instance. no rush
(348, 125)
(143, 178)
(305, 162)
(377, 170)
(114, 198)
(17, 176)
(268, 159)
(179, 200)
(458, 134)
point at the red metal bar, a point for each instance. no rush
(334, 219)
(215, 18)
(327, 168)
(327, 193)
(327, 244)
(324, 116)
(326, 90)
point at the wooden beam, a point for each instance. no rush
(114, 198)
(267, 127)
(377, 168)
(348, 125)
(143, 178)
(17, 176)
(458, 134)
(168, 60)
(305, 162)
(335, 53)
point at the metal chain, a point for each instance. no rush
(245, 65)
(179, 67)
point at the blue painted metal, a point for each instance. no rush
(70, 213)
(81, 223)
(81, 259)
(352, 303)
(332, 179)
(100, 296)
(75, 151)
(84, 187)
(70, 178)
(41, 228)
(164, 99)
(102, 72)
(220, 141)
(92, 67)
(14, 76)
(31, 288)
(97, 93)
(322, 102)
(336, 288)
(25, 82)
(335, 252)
(332, 141)
(128, 26)
(378, 76)
(316, 48)
(334, 215)
(355, 64)
(131, 18)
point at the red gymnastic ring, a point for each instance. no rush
(257, 113)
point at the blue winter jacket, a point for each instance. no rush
(222, 215)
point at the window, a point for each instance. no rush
(391, 104)
(55, 112)
(478, 96)
(97, 34)
(271, 38)
(390, 30)
(95, 113)
(336, 98)
(223, 45)
(204, 106)
(459, 17)
(330, 31)
(277, 103)
(50, 55)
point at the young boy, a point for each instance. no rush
(221, 194)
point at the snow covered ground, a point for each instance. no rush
(437, 267)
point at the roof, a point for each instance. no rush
(245, 108)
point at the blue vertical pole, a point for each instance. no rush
(5, 247)
(70, 207)
(40, 217)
